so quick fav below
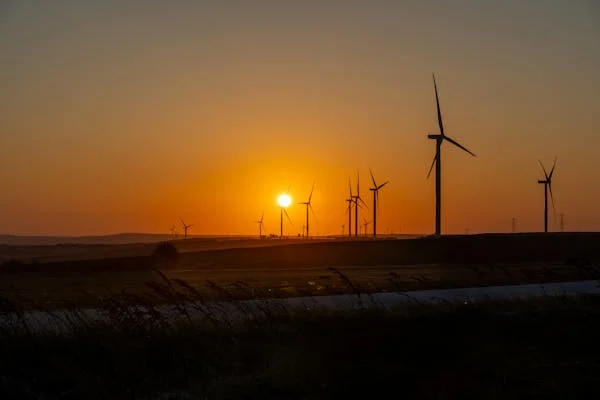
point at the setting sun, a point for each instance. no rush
(284, 200)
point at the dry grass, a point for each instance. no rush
(507, 349)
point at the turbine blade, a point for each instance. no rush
(552, 199)
(432, 164)
(350, 186)
(311, 192)
(552, 170)
(437, 102)
(382, 185)
(373, 178)
(454, 142)
(288, 217)
(313, 212)
(544, 169)
(357, 184)
(362, 201)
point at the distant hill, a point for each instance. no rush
(120, 238)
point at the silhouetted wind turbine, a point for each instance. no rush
(350, 200)
(547, 185)
(309, 205)
(284, 201)
(365, 224)
(375, 190)
(357, 198)
(260, 225)
(173, 231)
(185, 228)
(437, 161)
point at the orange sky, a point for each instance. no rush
(121, 118)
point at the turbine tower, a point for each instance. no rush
(357, 198)
(308, 205)
(437, 161)
(375, 190)
(547, 182)
(185, 228)
(260, 225)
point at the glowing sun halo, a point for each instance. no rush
(284, 200)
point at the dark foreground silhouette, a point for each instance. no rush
(525, 349)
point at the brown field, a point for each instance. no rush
(254, 268)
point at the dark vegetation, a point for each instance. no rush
(573, 248)
(302, 269)
(543, 347)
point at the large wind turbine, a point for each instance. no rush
(260, 225)
(357, 198)
(185, 228)
(437, 161)
(308, 205)
(375, 190)
(547, 185)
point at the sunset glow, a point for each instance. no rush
(123, 118)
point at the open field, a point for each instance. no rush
(302, 268)
(536, 348)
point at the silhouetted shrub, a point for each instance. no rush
(165, 254)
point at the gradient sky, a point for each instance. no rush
(122, 116)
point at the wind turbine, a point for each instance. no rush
(437, 161)
(547, 185)
(357, 198)
(308, 205)
(172, 231)
(284, 200)
(260, 225)
(350, 200)
(185, 228)
(375, 190)
(365, 224)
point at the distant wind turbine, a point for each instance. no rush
(172, 231)
(437, 161)
(284, 200)
(308, 206)
(260, 225)
(357, 198)
(375, 190)
(350, 200)
(547, 185)
(366, 224)
(185, 228)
